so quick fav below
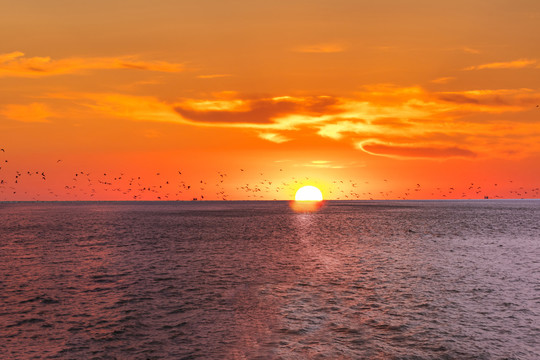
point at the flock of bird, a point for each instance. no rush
(84, 185)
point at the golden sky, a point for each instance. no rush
(251, 99)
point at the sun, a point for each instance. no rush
(308, 193)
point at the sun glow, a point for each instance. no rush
(308, 193)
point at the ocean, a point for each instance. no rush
(256, 280)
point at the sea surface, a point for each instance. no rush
(255, 280)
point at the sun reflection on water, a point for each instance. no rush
(306, 206)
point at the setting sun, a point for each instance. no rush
(308, 193)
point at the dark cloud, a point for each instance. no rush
(458, 99)
(261, 111)
(494, 100)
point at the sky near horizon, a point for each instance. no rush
(252, 99)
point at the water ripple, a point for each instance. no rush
(250, 280)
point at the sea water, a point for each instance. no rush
(256, 280)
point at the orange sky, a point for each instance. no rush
(383, 100)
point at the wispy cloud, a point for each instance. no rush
(414, 151)
(213, 76)
(324, 164)
(471, 50)
(384, 119)
(321, 48)
(138, 108)
(34, 112)
(273, 137)
(492, 100)
(16, 64)
(443, 80)
(515, 64)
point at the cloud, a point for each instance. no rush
(321, 48)
(470, 50)
(34, 112)
(516, 64)
(443, 80)
(15, 64)
(380, 116)
(264, 115)
(257, 111)
(337, 130)
(254, 111)
(324, 164)
(138, 108)
(273, 137)
(492, 100)
(414, 151)
(392, 122)
(213, 76)
(384, 119)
